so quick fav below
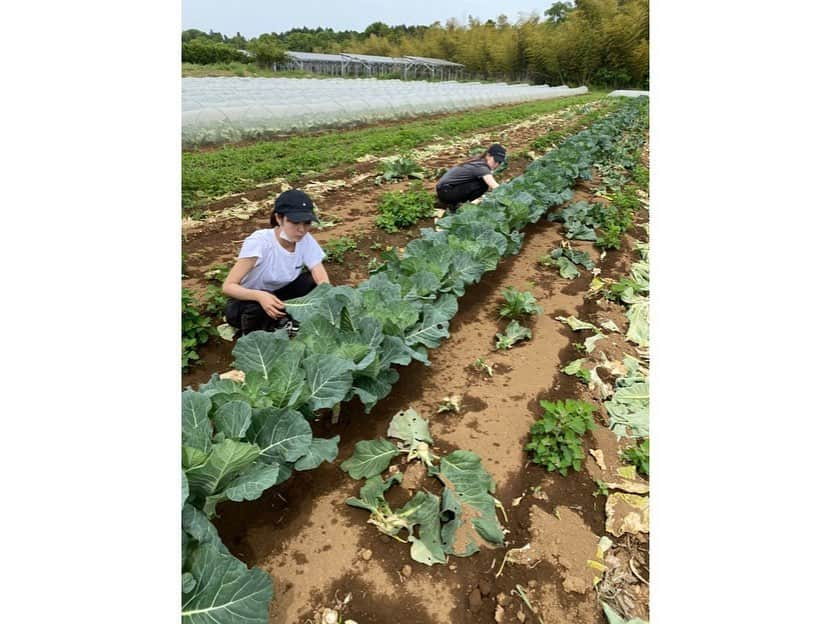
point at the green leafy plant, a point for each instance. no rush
(566, 260)
(482, 366)
(513, 334)
(399, 168)
(196, 329)
(556, 438)
(638, 455)
(336, 248)
(401, 209)
(518, 304)
(602, 488)
(455, 524)
(640, 176)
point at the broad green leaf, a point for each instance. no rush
(629, 411)
(191, 457)
(435, 323)
(320, 450)
(567, 268)
(572, 367)
(196, 426)
(325, 299)
(371, 390)
(468, 508)
(258, 351)
(282, 435)
(233, 419)
(407, 425)
(514, 332)
(329, 379)
(226, 461)
(226, 591)
(393, 350)
(197, 525)
(185, 488)
(215, 385)
(638, 392)
(422, 510)
(255, 481)
(370, 458)
(287, 387)
(610, 325)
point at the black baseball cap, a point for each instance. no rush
(498, 152)
(295, 205)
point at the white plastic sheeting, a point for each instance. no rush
(219, 110)
(628, 93)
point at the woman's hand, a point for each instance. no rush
(271, 304)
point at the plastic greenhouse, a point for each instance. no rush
(219, 110)
(344, 64)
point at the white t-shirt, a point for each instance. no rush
(275, 266)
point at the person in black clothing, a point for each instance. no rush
(466, 182)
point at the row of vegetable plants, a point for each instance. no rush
(242, 437)
(556, 439)
(202, 318)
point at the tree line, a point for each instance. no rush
(591, 42)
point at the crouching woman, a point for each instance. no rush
(269, 268)
(471, 179)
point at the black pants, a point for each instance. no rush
(460, 193)
(249, 316)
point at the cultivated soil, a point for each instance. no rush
(322, 553)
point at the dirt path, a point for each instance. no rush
(315, 547)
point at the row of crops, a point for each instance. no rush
(240, 438)
(226, 109)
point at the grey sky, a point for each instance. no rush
(254, 17)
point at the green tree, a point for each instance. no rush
(557, 11)
(266, 50)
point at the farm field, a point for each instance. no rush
(573, 537)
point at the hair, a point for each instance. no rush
(475, 158)
(273, 219)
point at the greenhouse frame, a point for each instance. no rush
(345, 64)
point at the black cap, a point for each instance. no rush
(295, 206)
(498, 152)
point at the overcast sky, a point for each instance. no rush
(255, 17)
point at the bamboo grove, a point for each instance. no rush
(587, 42)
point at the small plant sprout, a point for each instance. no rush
(513, 334)
(602, 488)
(518, 304)
(483, 367)
(638, 455)
(451, 403)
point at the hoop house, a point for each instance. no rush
(220, 110)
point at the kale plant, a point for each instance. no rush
(518, 304)
(513, 334)
(399, 168)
